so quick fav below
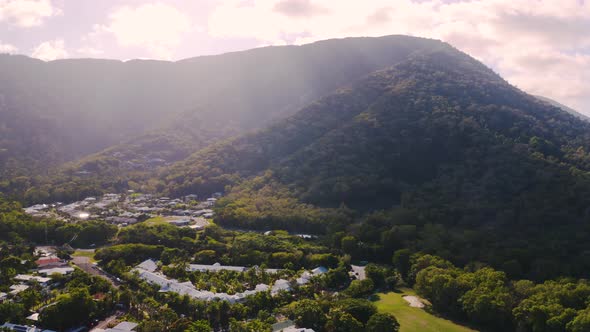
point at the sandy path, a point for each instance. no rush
(414, 301)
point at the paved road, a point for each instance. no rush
(86, 266)
(104, 324)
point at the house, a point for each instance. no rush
(123, 327)
(202, 212)
(281, 285)
(319, 270)
(27, 278)
(180, 222)
(288, 326)
(122, 220)
(48, 262)
(148, 265)
(304, 278)
(56, 270)
(22, 328)
(191, 197)
(215, 268)
(3, 296)
(15, 289)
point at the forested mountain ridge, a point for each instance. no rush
(439, 144)
(443, 85)
(119, 106)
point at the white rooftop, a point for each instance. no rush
(187, 288)
(148, 265)
(123, 327)
(58, 270)
(28, 277)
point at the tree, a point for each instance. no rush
(73, 308)
(199, 326)
(349, 245)
(382, 322)
(490, 302)
(252, 325)
(360, 309)
(401, 261)
(360, 288)
(581, 322)
(12, 312)
(307, 313)
(340, 321)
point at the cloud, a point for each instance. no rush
(157, 27)
(7, 48)
(50, 50)
(380, 16)
(298, 8)
(89, 52)
(27, 13)
(543, 47)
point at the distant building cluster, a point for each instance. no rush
(130, 208)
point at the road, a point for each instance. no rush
(86, 266)
(104, 324)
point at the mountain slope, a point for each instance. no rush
(468, 160)
(98, 104)
(390, 114)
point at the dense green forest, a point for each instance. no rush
(486, 171)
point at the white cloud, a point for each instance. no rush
(157, 27)
(7, 48)
(27, 13)
(543, 47)
(50, 50)
(89, 52)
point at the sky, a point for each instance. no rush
(541, 46)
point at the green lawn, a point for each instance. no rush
(85, 253)
(156, 220)
(414, 319)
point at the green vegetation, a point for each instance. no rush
(414, 319)
(85, 253)
(436, 154)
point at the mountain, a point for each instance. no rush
(438, 144)
(563, 107)
(80, 107)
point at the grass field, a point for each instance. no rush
(85, 253)
(155, 220)
(414, 319)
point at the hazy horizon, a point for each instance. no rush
(540, 46)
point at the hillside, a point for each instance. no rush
(90, 105)
(438, 142)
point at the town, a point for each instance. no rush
(131, 208)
